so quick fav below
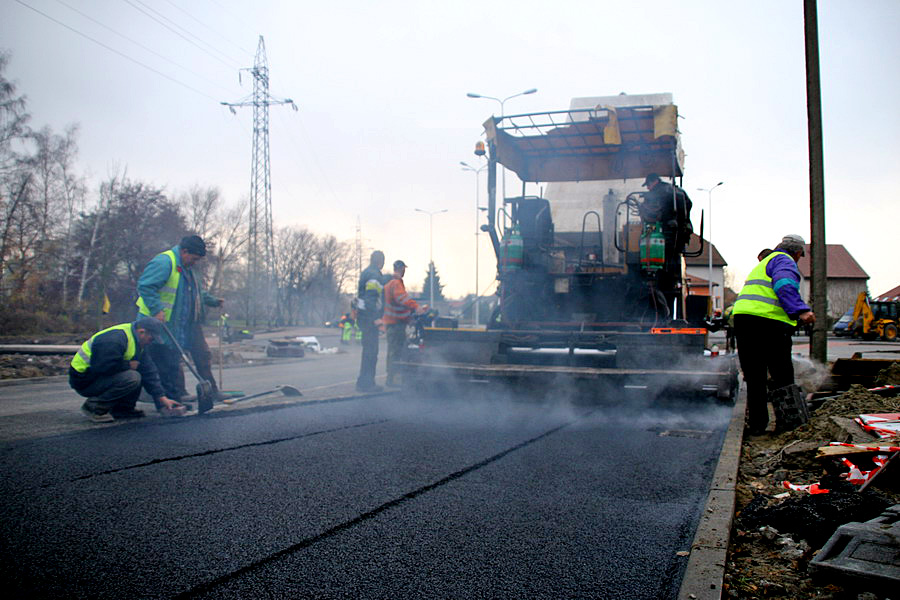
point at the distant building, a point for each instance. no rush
(889, 296)
(697, 268)
(846, 279)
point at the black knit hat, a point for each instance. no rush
(150, 325)
(193, 244)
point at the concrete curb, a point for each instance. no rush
(705, 570)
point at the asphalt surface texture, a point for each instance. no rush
(384, 496)
(339, 495)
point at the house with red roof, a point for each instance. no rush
(846, 279)
(889, 296)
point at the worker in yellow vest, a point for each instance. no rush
(346, 326)
(111, 367)
(169, 291)
(765, 316)
(369, 308)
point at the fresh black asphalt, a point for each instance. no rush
(377, 497)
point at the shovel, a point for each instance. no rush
(204, 388)
(287, 390)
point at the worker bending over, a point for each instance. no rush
(398, 311)
(110, 368)
(765, 316)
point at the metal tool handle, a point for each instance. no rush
(183, 355)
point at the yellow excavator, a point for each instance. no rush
(872, 319)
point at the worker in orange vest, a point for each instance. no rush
(398, 311)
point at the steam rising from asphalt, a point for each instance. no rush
(546, 400)
(808, 373)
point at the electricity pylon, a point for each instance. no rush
(261, 300)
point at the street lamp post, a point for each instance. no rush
(467, 167)
(709, 192)
(431, 248)
(502, 103)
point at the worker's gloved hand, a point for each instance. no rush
(133, 365)
(171, 408)
(160, 316)
(807, 318)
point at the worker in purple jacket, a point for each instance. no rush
(765, 317)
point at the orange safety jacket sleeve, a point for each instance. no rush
(398, 306)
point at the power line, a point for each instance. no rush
(310, 155)
(229, 40)
(113, 50)
(140, 45)
(182, 36)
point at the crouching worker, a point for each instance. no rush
(110, 368)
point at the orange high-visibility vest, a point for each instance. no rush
(398, 306)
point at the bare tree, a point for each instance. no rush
(52, 210)
(310, 273)
(13, 117)
(74, 190)
(104, 205)
(295, 252)
(223, 229)
(229, 239)
(15, 180)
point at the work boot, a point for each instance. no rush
(96, 415)
(127, 413)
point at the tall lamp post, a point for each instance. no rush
(467, 167)
(431, 248)
(502, 102)
(709, 192)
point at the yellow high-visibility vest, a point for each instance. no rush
(82, 359)
(167, 292)
(758, 295)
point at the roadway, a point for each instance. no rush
(339, 495)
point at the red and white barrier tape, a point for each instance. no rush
(869, 448)
(859, 477)
(812, 488)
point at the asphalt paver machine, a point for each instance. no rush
(603, 306)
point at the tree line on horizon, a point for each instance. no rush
(66, 249)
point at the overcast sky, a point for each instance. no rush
(384, 120)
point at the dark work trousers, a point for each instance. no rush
(396, 348)
(168, 363)
(202, 358)
(369, 358)
(114, 392)
(764, 346)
